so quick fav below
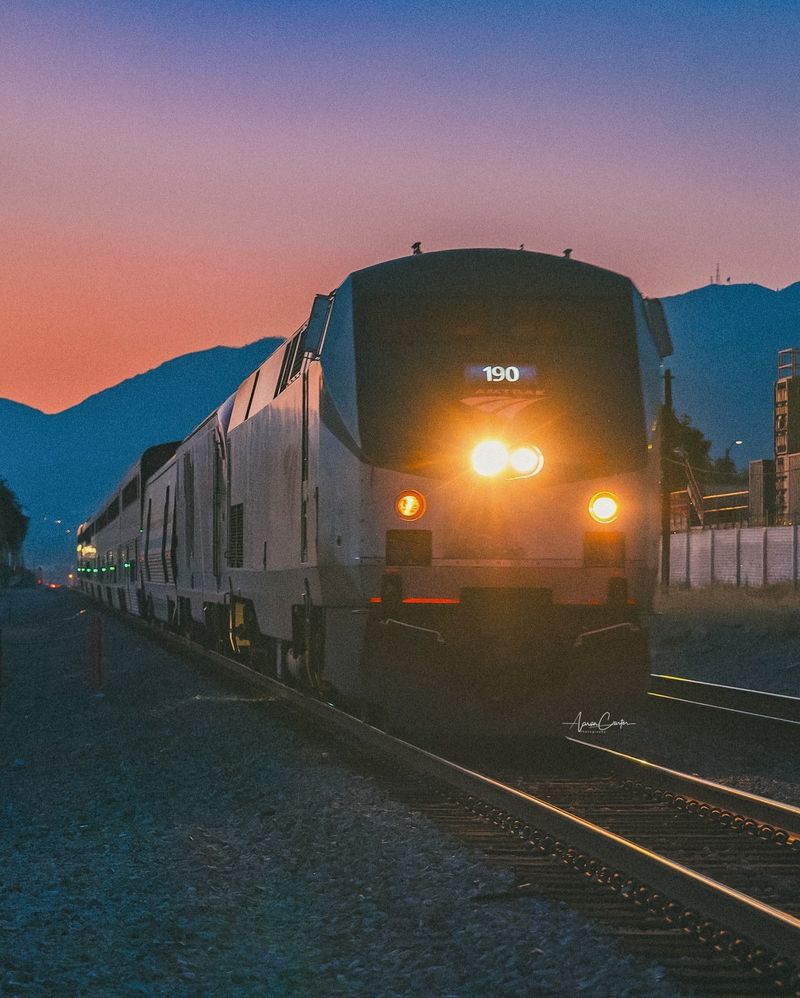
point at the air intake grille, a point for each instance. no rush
(236, 536)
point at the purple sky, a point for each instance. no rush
(179, 175)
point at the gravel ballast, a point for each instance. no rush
(164, 835)
(741, 637)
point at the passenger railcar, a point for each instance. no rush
(440, 492)
(111, 544)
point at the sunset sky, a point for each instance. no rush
(180, 175)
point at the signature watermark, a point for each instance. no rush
(603, 724)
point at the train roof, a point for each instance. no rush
(452, 272)
(558, 274)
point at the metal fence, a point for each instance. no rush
(743, 556)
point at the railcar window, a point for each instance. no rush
(286, 364)
(292, 361)
(297, 361)
(252, 394)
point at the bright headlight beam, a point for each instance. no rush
(527, 460)
(489, 458)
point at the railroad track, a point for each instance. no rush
(700, 878)
(759, 706)
(771, 821)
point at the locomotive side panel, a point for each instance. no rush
(197, 462)
(263, 553)
(129, 524)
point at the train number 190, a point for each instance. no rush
(494, 372)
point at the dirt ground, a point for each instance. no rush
(741, 637)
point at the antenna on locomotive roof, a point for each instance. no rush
(416, 248)
(567, 254)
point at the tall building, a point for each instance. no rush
(762, 493)
(787, 435)
(792, 488)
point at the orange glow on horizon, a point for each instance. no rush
(91, 315)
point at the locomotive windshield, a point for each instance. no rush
(462, 344)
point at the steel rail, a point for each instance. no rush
(762, 810)
(775, 707)
(769, 926)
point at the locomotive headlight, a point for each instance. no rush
(490, 458)
(410, 505)
(527, 460)
(604, 507)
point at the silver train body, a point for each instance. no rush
(394, 509)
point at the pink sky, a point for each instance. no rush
(176, 180)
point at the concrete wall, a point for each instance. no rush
(744, 556)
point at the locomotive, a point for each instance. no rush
(436, 501)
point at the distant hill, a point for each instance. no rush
(726, 339)
(61, 465)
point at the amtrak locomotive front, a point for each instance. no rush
(438, 500)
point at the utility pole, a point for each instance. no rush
(665, 436)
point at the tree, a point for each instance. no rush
(687, 445)
(692, 442)
(13, 528)
(690, 446)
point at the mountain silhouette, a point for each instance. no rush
(726, 339)
(63, 465)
